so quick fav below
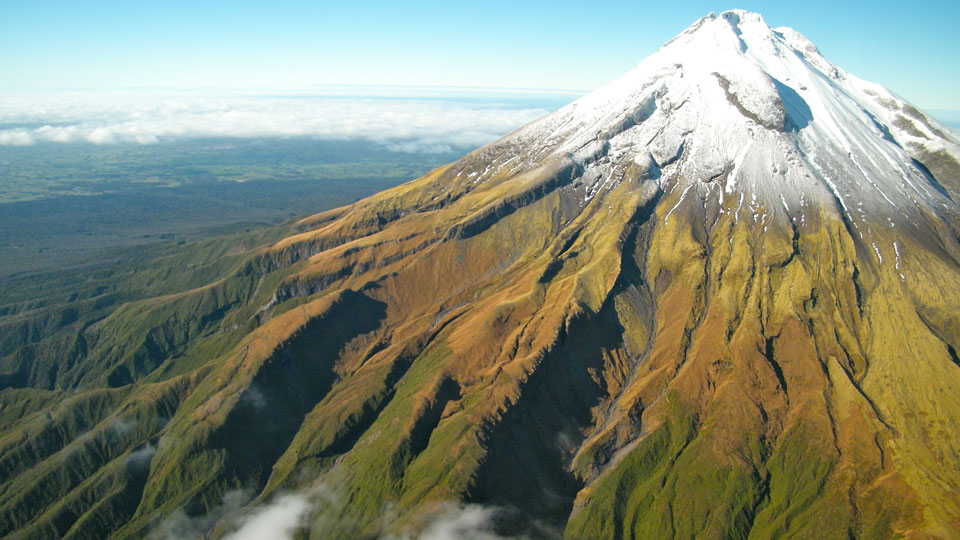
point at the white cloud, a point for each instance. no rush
(16, 137)
(179, 526)
(254, 397)
(276, 521)
(402, 123)
(458, 521)
(122, 426)
(141, 457)
(468, 522)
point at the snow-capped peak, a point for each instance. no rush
(737, 109)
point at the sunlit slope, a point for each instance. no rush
(668, 310)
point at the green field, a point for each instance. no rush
(67, 205)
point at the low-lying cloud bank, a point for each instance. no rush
(283, 516)
(407, 124)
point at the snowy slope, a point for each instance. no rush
(732, 113)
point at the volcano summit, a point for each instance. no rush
(717, 298)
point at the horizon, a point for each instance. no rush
(293, 44)
(413, 119)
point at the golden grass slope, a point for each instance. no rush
(628, 367)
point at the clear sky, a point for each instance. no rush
(913, 48)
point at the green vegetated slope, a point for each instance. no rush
(666, 311)
(603, 371)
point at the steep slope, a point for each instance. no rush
(716, 299)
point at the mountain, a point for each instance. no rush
(717, 298)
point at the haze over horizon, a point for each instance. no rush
(293, 44)
(424, 79)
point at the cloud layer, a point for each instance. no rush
(402, 123)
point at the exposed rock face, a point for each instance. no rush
(717, 298)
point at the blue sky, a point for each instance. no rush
(910, 47)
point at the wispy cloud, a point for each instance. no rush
(284, 515)
(462, 522)
(407, 124)
(180, 526)
(459, 521)
(276, 521)
(140, 458)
